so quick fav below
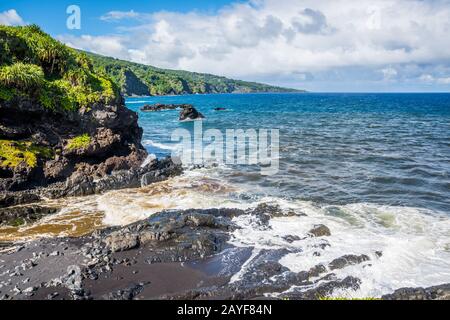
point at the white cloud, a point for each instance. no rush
(389, 73)
(119, 15)
(11, 18)
(310, 21)
(263, 38)
(444, 80)
(105, 45)
(428, 78)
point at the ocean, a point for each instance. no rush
(374, 168)
(386, 149)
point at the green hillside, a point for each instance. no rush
(36, 67)
(139, 79)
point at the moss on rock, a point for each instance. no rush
(14, 153)
(80, 142)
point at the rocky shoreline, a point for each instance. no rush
(63, 153)
(171, 255)
(176, 255)
(187, 254)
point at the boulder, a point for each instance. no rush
(189, 113)
(320, 231)
(441, 292)
(347, 260)
(119, 241)
(20, 215)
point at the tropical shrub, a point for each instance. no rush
(13, 153)
(34, 65)
(21, 76)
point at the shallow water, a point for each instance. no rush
(374, 168)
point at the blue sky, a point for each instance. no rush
(51, 14)
(318, 45)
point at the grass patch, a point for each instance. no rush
(13, 153)
(80, 142)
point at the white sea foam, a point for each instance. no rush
(415, 243)
(148, 160)
(137, 102)
(151, 143)
(193, 190)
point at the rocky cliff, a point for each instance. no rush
(64, 127)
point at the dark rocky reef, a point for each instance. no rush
(162, 107)
(441, 292)
(17, 216)
(189, 113)
(81, 152)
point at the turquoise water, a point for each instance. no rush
(337, 149)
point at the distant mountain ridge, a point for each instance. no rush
(136, 79)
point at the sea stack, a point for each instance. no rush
(189, 113)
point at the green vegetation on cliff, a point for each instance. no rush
(138, 79)
(79, 142)
(13, 153)
(33, 65)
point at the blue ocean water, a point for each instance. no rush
(335, 149)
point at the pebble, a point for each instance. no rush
(53, 295)
(29, 290)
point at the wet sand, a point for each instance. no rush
(156, 280)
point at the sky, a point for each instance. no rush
(317, 45)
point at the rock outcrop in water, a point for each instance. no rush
(163, 107)
(189, 113)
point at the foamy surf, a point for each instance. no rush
(407, 246)
(151, 143)
(192, 190)
(137, 102)
(414, 243)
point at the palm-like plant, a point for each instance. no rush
(34, 65)
(21, 75)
